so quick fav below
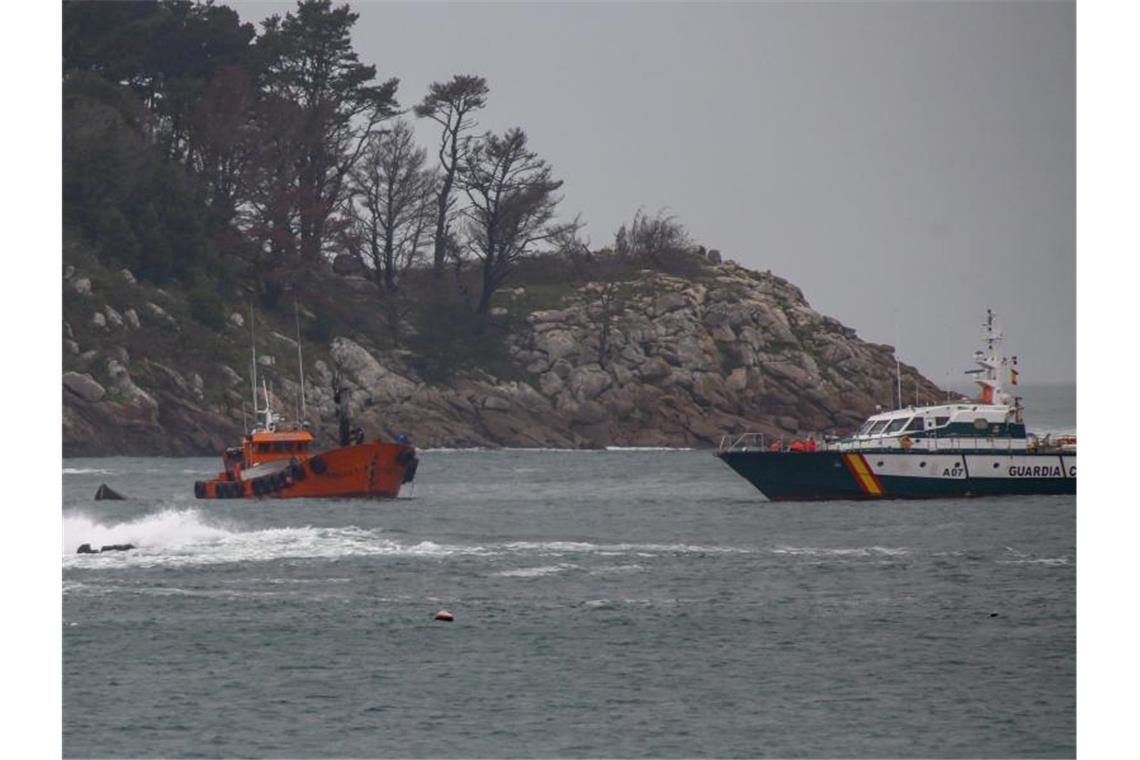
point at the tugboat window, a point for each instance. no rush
(263, 448)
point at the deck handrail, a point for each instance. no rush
(751, 441)
(740, 441)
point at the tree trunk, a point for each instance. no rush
(444, 195)
(389, 262)
(488, 286)
(440, 227)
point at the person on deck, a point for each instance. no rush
(810, 444)
(797, 445)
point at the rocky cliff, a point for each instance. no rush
(652, 360)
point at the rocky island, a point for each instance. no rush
(656, 360)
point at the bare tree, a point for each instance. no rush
(512, 203)
(650, 236)
(568, 244)
(392, 190)
(450, 104)
(393, 194)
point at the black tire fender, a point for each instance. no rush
(410, 471)
(318, 465)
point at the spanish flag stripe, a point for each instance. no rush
(873, 486)
(879, 490)
(863, 475)
(849, 460)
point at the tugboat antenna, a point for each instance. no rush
(253, 361)
(300, 362)
(268, 410)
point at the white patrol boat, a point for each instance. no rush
(967, 448)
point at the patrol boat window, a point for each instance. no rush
(878, 427)
(916, 424)
(866, 427)
(896, 425)
(940, 421)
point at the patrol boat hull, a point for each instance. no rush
(854, 475)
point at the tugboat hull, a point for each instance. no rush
(847, 475)
(375, 469)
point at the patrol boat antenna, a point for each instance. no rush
(991, 366)
(898, 367)
(898, 376)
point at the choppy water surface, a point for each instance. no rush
(622, 603)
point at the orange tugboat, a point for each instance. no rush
(279, 463)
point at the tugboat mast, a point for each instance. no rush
(302, 412)
(253, 362)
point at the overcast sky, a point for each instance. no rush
(906, 164)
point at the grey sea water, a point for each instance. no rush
(619, 603)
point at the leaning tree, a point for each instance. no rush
(451, 105)
(513, 198)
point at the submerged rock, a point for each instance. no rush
(106, 492)
(87, 548)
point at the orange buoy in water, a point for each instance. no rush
(445, 616)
